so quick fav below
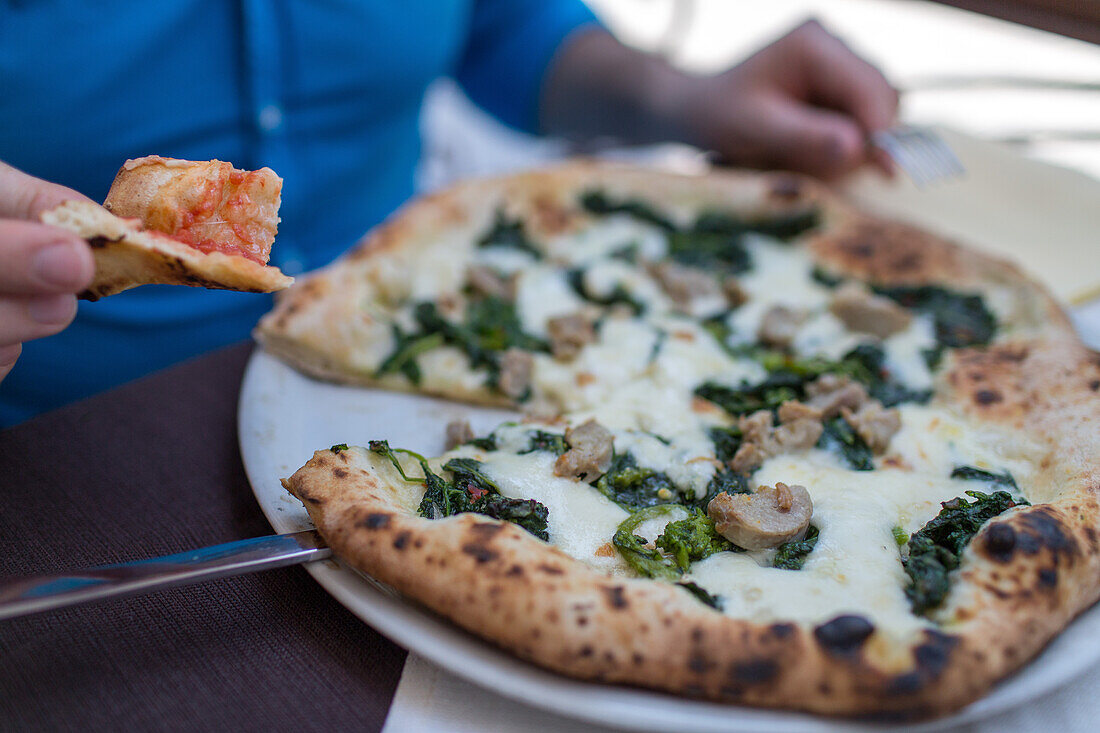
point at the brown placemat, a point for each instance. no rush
(148, 469)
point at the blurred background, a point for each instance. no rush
(1034, 91)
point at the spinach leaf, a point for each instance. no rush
(792, 555)
(497, 326)
(649, 563)
(935, 549)
(692, 539)
(597, 202)
(469, 476)
(491, 326)
(724, 481)
(777, 388)
(632, 487)
(700, 594)
(442, 498)
(489, 442)
(715, 252)
(543, 441)
(840, 438)
(339, 447)
(471, 491)
(970, 473)
(726, 442)
(527, 513)
(960, 319)
(788, 376)
(406, 348)
(507, 232)
(618, 295)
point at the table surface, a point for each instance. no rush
(149, 469)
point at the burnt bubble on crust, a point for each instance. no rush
(999, 541)
(844, 634)
(931, 657)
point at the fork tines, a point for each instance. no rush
(920, 152)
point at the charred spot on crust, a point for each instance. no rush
(306, 496)
(1094, 385)
(586, 651)
(515, 571)
(480, 553)
(551, 569)
(99, 242)
(401, 540)
(931, 659)
(375, 520)
(699, 664)
(844, 634)
(987, 396)
(615, 597)
(781, 631)
(340, 472)
(1000, 542)
(755, 671)
(1048, 577)
(1045, 529)
(932, 656)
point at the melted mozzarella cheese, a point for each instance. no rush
(781, 275)
(607, 235)
(905, 353)
(620, 354)
(580, 520)
(541, 294)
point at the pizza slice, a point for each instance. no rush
(170, 221)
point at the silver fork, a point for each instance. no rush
(920, 152)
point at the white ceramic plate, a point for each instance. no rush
(284, 417)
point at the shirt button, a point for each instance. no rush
(270, 118)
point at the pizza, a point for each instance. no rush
(180, 222)
(769, 449)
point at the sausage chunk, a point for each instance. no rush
(682, 284)
(800, 428)
(779, 325)
(830, 394)
(515, 372)
(569, 334)
(591, 447)
(766, 518)
(458, 432)
(875, 424)
(487, 281)
(735, 294)
(863, 311)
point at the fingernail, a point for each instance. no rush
(60, 265)
(52, 309)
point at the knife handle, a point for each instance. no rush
(22, 596)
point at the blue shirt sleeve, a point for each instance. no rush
(509, 48)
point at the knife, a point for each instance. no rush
(23, 596)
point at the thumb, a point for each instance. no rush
(25, 197)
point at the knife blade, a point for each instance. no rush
(37, 593)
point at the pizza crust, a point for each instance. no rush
(127, 256)
(1024, 576)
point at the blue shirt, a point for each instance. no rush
(325, 93)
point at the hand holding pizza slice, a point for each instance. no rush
(182, 222)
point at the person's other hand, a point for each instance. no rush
(804, 103)
(41, 267)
